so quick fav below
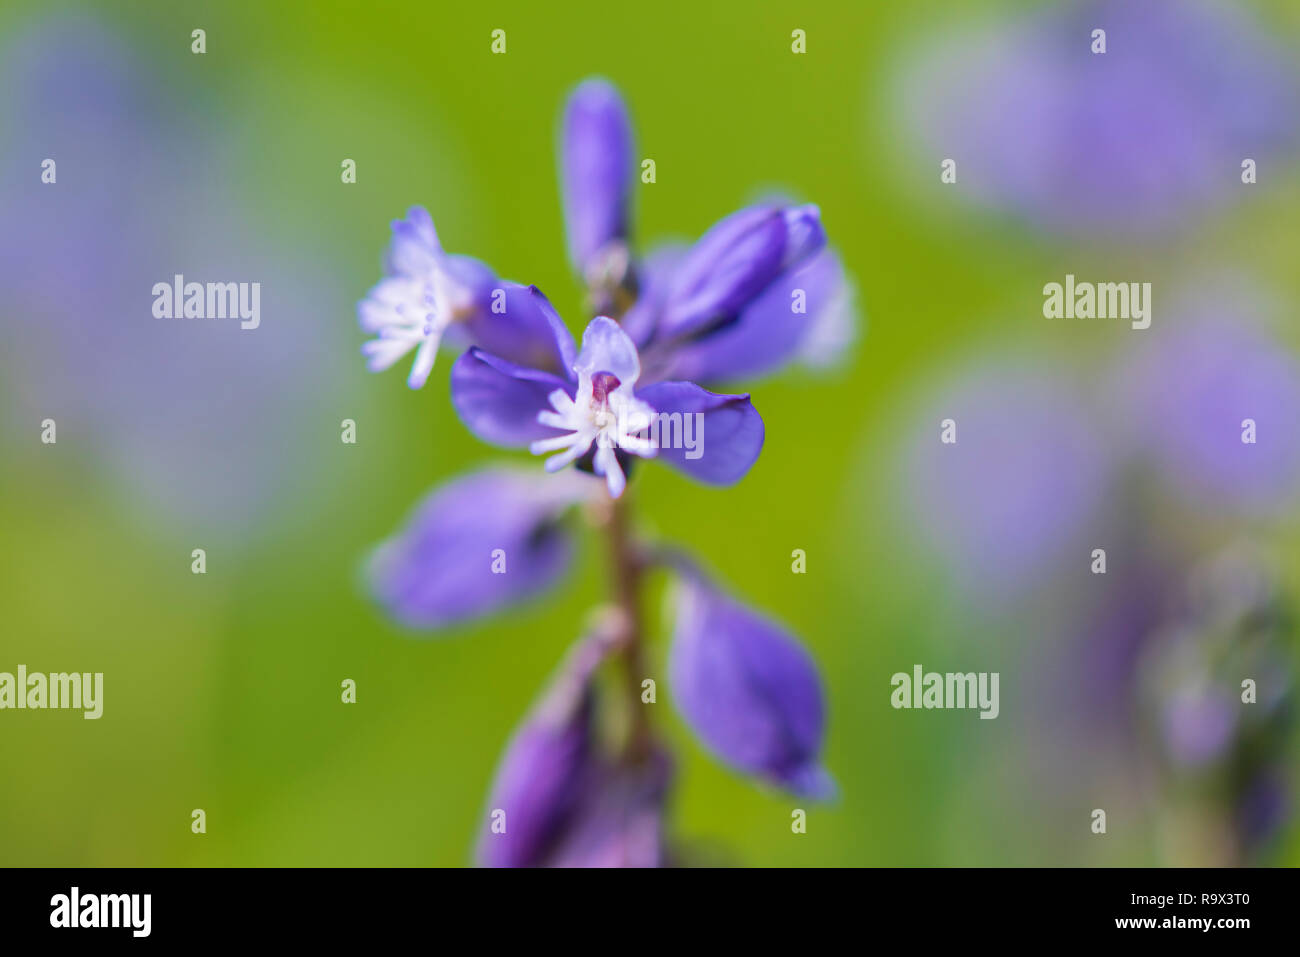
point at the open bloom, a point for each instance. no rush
(597, 415)
(748, 689)
(429, 296)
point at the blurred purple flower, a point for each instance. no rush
(565, 803)
(748, 689)
(1134, 140)
(476, 545)
(1188, 392)
(1263, 808)
(596, 167)
(1198, 725)
(429, 296)
(621, 821)
(1008, 498)
(545, 768)
(596, 408)
(1094, 677)
(1234, 624)
(199, 421)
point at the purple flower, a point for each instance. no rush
(806, 313)
(735, 262)
(1009, 497)
(597, 172)
(1198, 725)
(1263, 809)
(595, 410)
(1133, 140)
(620, 822)
(1195, 385)
(558, 800)
(748, 689)
(545, 767)
(182, 423)
(724, 308)
(1235, 623)
(760, 289)
(429, 295)
(480, 543)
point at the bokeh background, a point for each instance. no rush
(222, 690)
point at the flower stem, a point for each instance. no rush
(627, 565)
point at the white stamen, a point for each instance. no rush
(409, 311)
(611, 424)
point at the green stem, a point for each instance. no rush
(628, 568)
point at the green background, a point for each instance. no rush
(222, 690)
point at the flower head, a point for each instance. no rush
(596, 410)
(429, 296)
(757, 290)
(604, 411)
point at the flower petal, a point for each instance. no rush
(597, 170)
(734, 262)
(518, 323)
(729, 265)
(620, 821)
(607, 348)
(777, 327)
(499, 401)
(716, 439)
(414, 250)
(439, 568)
(747, 688)
(394, 302)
